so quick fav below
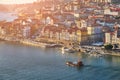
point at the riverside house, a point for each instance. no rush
(113, 37)
(64, 34)
(82, 35)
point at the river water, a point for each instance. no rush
(19, 62)
(8, 16)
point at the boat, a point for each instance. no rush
(74, 64)
(65, 49)
(68, 50)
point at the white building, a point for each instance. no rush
(103, 1)
(26, 32)
(83, 23)
(49, 21)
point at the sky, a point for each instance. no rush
(15, 1)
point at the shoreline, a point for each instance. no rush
(82, 49)
(40, 43)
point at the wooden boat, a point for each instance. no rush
(76, 64)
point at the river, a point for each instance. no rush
(8, 16)
(20, 62)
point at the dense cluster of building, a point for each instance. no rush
(82, 21)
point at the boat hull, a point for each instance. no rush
(78, 64)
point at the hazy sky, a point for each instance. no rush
(15, 1)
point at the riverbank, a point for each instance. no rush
(39, 44)
(93, 50)
(46, 43)
(31, 42)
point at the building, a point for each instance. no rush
(108, 37)
(95, 34)
(82, 36)
(81, 23)
(102, 1)
(107, 11)
(113, 37)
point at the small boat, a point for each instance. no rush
(76, 64)
(68, 50)
(65, 49)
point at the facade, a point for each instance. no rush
(65, 34)
(81, 23)
(82, 36)
(102, 1)
(112, 38)
(108, 37)
(26, 32)
(95, 34)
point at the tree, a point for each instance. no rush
(115, 46)
(108, 47)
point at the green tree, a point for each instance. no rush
(108, 46)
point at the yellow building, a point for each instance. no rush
(82, 35)
(90, 30)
